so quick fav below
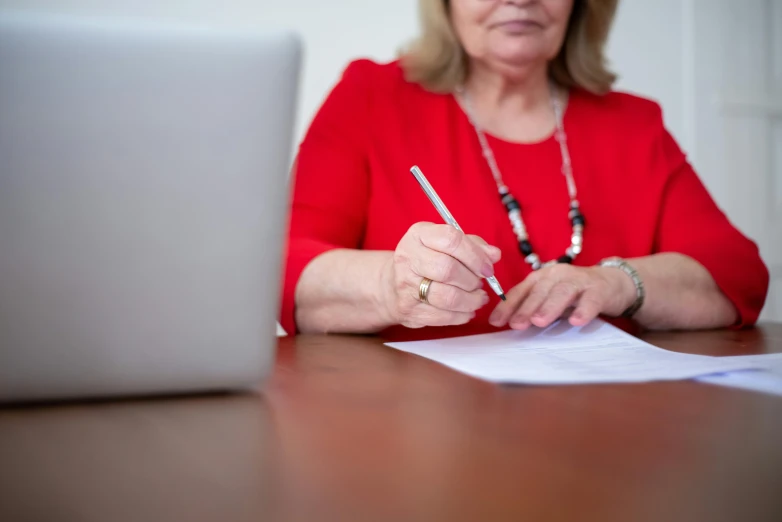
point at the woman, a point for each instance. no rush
(576, 198)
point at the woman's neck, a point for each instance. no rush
(495, 88)
(515, 108)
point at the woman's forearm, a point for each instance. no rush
(344, 291)
(680, 293)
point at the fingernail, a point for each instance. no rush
(487, 270)
(494, 319)
(519, 324)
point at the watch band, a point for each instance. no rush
(640, 291)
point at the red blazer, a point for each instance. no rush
(638, 194)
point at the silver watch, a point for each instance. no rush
(640, 292)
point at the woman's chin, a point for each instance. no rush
(517, 64)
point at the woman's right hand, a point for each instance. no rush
(456, 263)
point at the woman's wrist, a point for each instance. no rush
(632, 274)
(343, 291)
(385, 294)
(623, 290)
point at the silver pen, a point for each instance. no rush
(448, 218)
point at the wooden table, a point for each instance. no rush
(351, 430)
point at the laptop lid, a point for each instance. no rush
(143, 193)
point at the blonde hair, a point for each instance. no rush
(437, 60)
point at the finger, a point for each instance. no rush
(521, 319)
(454, 299)
(559, 299)
(494, 253)
(443, 268)
(589, 306)
(427, 315)
(503, 311)
(448, 240)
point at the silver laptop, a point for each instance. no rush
(143, 191)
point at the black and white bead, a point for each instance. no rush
(512, 206)
(577, 238)
(519, 230)
(525, 247)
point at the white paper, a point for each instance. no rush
(562, 354)
(768, 380)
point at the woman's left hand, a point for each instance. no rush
(545, 295)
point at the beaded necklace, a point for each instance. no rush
(512, 205)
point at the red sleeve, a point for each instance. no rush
(330, 177)
(692, 224)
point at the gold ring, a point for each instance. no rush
(423, 290)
